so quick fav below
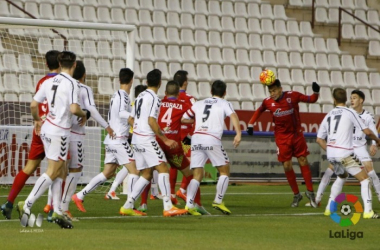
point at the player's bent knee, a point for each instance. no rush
(224, 170)
(303, 161)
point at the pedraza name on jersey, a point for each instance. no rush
(171, 105)
(200, 147)
(279, 113)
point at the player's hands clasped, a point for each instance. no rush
(171, 143)
(315, 87)
(250, 129)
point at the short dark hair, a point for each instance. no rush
(218, 88)
(139, 89)
(154, 78)
(79, 71)
(276, 83)
(359, 93)
(172, 88)
(181, 77)
(66, 59)
(340, 95)
(125, 75)
(51, 58)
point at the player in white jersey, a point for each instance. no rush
(337, 127)
(62, 94)
(206, 142)
(118, 150)
(148, 153)
(360, 145)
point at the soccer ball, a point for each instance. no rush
(267, 77)
(345, 209)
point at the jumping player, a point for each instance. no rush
(288, 134)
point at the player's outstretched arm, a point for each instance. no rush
(157, 130)
(236, 123)
(36, 117)
(311, 98)
(253, 119)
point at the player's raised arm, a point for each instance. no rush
(253, 119)
(310, 98)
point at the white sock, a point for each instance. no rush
(154, 187)
(94, 183)
(118, 179)
(192, 189)
(221, 188)
(138, 188)
(70, 187)
(42, 184)
(50, 197)
(375, 182)
(132, 180)
(183, 190)
(164, 184)
(56, 190)
(366, 195)
(336, 189)
(324, 183)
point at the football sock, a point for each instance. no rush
(324, 183)
(69, 189)
(173, 179)
(183, 190)
(154, 187)
(18, 184)
(221, 188)
(197, 198)
(336, 189)
(138, 188)
(164, 184)
(42, 184)
(185, 182)
(306, 173)
(144, 195)
(94, 183)
(375, 182)
(366, 195)
(291, 176)
(49, 197)
(132, 179)
(56, 190)
(191, 192)
(120, 176)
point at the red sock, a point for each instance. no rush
(306, 173)
(144, 195)
(185, 181)
(291, 176)
(173, 179)
(18, 184)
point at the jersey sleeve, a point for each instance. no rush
(323, 129)
(304, 98)
(40, 95)
(228, 108)
(124, 107)
(155, 108)
(74, 93)
(190, 113)
(133, 109)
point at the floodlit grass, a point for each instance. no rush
(261, 219)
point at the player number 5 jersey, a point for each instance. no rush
(209, 120)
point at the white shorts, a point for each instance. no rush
(201, 153)
(56, 147)
(148, 155)
(121, 154)
(76, 154)
(350, 164)
(362, 153)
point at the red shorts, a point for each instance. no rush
(294, 145)
(37, 151)
(176, 156)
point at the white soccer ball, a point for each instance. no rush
(345, 209)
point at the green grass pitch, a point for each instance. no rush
(261, 219)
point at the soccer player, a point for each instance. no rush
(62, 94)
(206, 143)
(36, 153)
(148, 153)
(337, 126)
(359, 144)
(288, 134)
(118, 150)
(77, 152)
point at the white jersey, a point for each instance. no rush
(209, 120)
(338, 126)
(147, 104)
(118, 114)
(60, 91)
(86, 101)
(359, 136)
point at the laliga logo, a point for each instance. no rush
(346, 209)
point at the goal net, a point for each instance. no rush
(103, 48)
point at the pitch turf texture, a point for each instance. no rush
(261, 219)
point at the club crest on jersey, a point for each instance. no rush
(279, 113)
(289, 100)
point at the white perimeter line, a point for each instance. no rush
(204, 216)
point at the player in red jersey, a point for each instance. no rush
(288, 133)
(169, 120)
(186, 130)
(36, 153)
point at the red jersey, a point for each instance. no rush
(285, 111)
(169, 119)
(189, 100)
(43, 108)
